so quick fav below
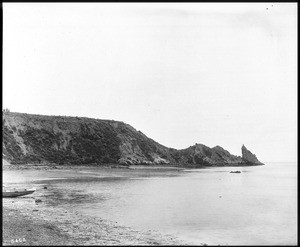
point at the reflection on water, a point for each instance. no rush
(211, 205)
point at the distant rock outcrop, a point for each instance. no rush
(57, 140)
(249, 157)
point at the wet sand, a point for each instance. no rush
(32, 223)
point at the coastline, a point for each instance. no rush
(32, 223)
(41, 224)
(28, 221)
(8, 166)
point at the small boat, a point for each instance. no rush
(17, 192)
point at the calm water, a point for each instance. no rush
(211, 205)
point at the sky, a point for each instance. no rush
(182, 73)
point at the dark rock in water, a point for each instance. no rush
(38, 200)
(45, 187)
(235, 172)
(57, 140)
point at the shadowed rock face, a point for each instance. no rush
(37, 139)
(249, 157)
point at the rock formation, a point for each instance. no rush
(248, 157)
(29, 138)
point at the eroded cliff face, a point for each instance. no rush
(31, 138)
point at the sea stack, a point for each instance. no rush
(248, 157)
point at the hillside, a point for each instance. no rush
(35, 139)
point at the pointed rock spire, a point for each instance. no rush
(249, 157)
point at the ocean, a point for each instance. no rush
(211, 205)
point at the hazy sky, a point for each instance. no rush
(217, 74)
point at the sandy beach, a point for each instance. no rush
(28, 222)
(21, 229)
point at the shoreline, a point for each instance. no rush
(112, 166)
(32, 223)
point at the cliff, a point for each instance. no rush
(61, 140)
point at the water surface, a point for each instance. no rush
(211, 205)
